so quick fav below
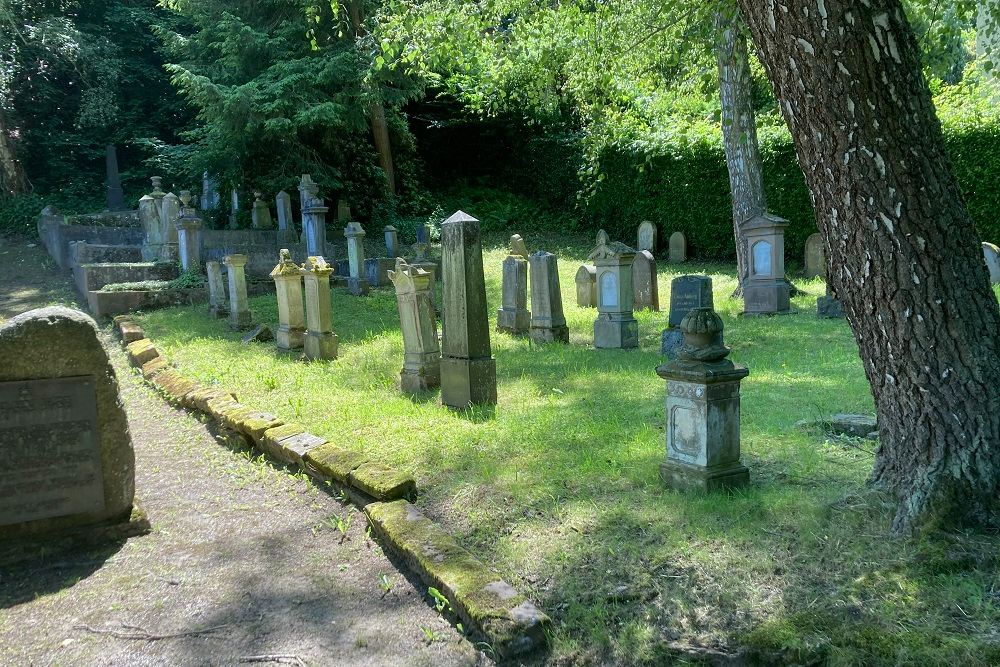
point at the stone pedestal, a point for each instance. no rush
(320, 341)
(586, 286)
(291, 331)
(286, 225)
(548, 324)
(239, 307)
(313, 217)
(646, 292)
(468, 371)
(356, 283)
(170, 213)
(615, 326)
(766, 292)
(422, 356)
(703, 410)
(260, 214)
(513, 316)
(391, 242)
(189, 235)
(217, 305)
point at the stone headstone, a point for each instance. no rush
(686, 294)
(615, 326)
(377, 270)
(313, 217)
(517, 247)
(468, 371)
(149, 218)
(209, 192)
(343, 211)
(703, 410)
(991, 254)
(421, 354)
(116, 197)
(287, 278)
(189, 228)
(513, 316)
(766, 291)
(286, 222)
(260, 214)
(234, 208)
(548, 324)
(218, 306)
(391, 242)
(320, 341)
(239, 307)
(646, 291)
(357, 283)
(678, 248)
(170, 213)
(586, 286)
(64, 440)
(815, 259)
(646, 237)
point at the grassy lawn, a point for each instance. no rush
(558, 486)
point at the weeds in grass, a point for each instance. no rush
(386, 583)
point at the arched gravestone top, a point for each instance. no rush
(646, 237)
(678, 248)
(644, 287)
(991, 254)
(64, 435)
(586, 286)
(815, 259)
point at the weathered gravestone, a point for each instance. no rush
(815, 259)
(260, 214)
(647, 293)
(678, 248)
(703, 409)
(686, 294)
(548, 324)
(320, 341)
(64, 441)
(513, 316)
(218, 306)
(189, 235)
(991, 254)
(313, 216)
(391, 242)
(615, 326)
(240, 316)
(468, 371)
(421, 353)
(287, 277)
(586, 286)
(286, 225)
(766, 291)
(646, 237)
(357, 283)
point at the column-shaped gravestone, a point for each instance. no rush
(260, 214)
(217, 305)
(586, 286)
(157, 194)
(149, 218)
(116, 198)
(645, 289)
(766, 291)
(189, 235)
(513, 316)
(391, 242)
(234, 208)
(357, 283)
(239, 307)
(421, 354)
(548, 324)
(291, 316)
(320, 341)
(615, 326)
(170, 210)
(468, 371)
(286, 226)
(686, 294)
(703, 409)
(313, 217)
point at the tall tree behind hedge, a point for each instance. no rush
(282, 88)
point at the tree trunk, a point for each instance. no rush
(902, 253)
(13, 180)
(739, 130)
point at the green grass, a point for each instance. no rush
(558, 487)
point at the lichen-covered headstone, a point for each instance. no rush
(647, 293)
(421, 353)
(64, 441)
(320, 341)
(239, 306)
(357, 283)
(513, 316)
(646, 237)
(615, 326)
(291, 313)
(260, 214)
(548, 324)
(678, 248)
(217, 304)
(586, 286)
(815, 258)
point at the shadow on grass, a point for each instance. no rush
(52, 570)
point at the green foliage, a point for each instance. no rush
(186, 280)
(18, 214)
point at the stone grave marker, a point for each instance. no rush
(391, 242)
(116, 197)
(189, 235)
(239, 307)
(217, 305)
(468, 371)
(686, 294)
(815, 258)
(548, 324)
(766, 291)
(678, 248)
(67, 455)
(513, 316)
(421, 353)
(170, 211)
(829, 307)
(646, 237)
(646, 291)
(320, 341)
(287, 277)
(357, 283)
(313, 216)
(991, 254)
(286, 224)
(615, 326)
(586, 286)
(260, 214)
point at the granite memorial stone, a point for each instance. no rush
(615, 326)
(686, 294)
(548, 324)
(513, 316)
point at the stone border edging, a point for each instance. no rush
(510, 623)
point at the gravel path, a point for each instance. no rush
(245, 559)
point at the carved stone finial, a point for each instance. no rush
(703, 340)
(517, 246)
(186, 198)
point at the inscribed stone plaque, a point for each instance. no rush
(48, 443)
(762, 258)
(609, 289)
(688, 293)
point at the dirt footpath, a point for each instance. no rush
(247, 562)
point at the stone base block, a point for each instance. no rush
(556, 334)
(357, 286)
(414, 382)
(766, 298)
(514, 322)
(466, 382)
(829, 308)
(686, 477)
(612, 334)
(218, 312)
(241, 320)
(320, 345)
(671, 341)
(289, 338)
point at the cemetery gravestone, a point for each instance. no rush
(991, 254)
(421, 353)
(586, 286)
(468, 371)
(260, 215)
(286, 226)
(209, 192)
(234, 208)
(686, 294)
(239, 307)
(170, 211)
(64, 438)
(391, 242)
(320, 341)
(513, 317)
(678, 248)
(548, 324)
(313, 217)
(815, 259)
(291, 315)
(828, 307)
(189, 235)
(646, 290)
(646, 237)
(116, 197)
(217, 306)
(703, 410)
(615, 326)
(149, 218)
(356, 283)
(766, 291)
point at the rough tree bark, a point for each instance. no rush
(902, 252)
(739, 130)
(13, 180)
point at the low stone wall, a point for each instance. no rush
(109, 304)
(56, 235)
(82, 252)
(92, 277)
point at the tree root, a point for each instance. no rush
(136, 633)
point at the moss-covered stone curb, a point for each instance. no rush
(382, 482)
(509, 622)
(151, 368)
(130, 332)
(290, 443)
(141, 351)
(335, 462)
